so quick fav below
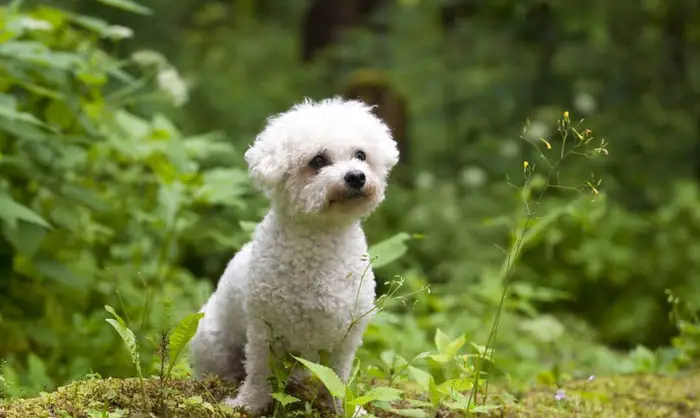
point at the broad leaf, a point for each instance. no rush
(327, 376)
(55, 270)
(284, 398)
(389, 250)
(127, 336)
(26, 237)
(412, 413)
(11, 211)
(442, 340)
(180, 336)
(381, 393)
(127, 5)
(421, 377)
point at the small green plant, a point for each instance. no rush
(171, 344)
(573, 140)
(129, 339)
(349, 393)
(687, 342)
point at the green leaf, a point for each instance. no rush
(86, 197)
(94, 24)
(482, 350)
(427, 381)
(8, 109)
(59, 114)
(454, 345)
(131, 124)
(421, 377)
(128, 6)
(381, 393)
(180, 336)
(327, 376)
(57, 271)
(411, 412)
(36, 373)
(37, 53)
(389, 250)
(440, 358)
(285, 399)
(455, 385)
(11, 211)
(442, 340)
(127, 336)
(26, 237)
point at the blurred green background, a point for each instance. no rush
(122, 182)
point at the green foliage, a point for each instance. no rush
(127, 336)
(98, 203)
(105, 197)
(180, 336)
(389, 250)
(687, 343)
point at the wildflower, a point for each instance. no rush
(585, 103)
(566, 116)
(473, 177)
(591, 378)
(560, 395)
(32, 24)
(537, 130)
(509, 149)
(170, 83)
(525, 165)
(425, 180)
(148, 58)
(595, 192)
(116, 32)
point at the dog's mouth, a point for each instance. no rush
(352, 195)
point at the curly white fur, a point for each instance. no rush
(302, 285)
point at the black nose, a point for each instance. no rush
(355, 179)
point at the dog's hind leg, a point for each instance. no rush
(215, 352)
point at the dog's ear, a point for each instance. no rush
(386, 145)
(268, 162)
(389, 151)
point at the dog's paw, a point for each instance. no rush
(235, 403)
(359, 411)
(247, 405)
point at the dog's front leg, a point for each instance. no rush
(255, 393)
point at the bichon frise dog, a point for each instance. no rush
(303, 285)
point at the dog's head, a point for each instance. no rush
(330, 158)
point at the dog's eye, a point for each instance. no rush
(360, 155)
(318, 162)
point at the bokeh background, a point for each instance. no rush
(122, 181)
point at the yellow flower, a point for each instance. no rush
(566, 115)
(593, 188)
(525, 165)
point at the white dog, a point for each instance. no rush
(303, 284)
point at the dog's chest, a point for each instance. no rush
(312, 305)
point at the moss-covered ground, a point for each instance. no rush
(620, 396)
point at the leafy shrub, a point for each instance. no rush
(97, 200)
(611, 285)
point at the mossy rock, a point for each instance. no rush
(620, 396)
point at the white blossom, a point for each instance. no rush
(116, 32)
(31, 24)
(170, 82)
